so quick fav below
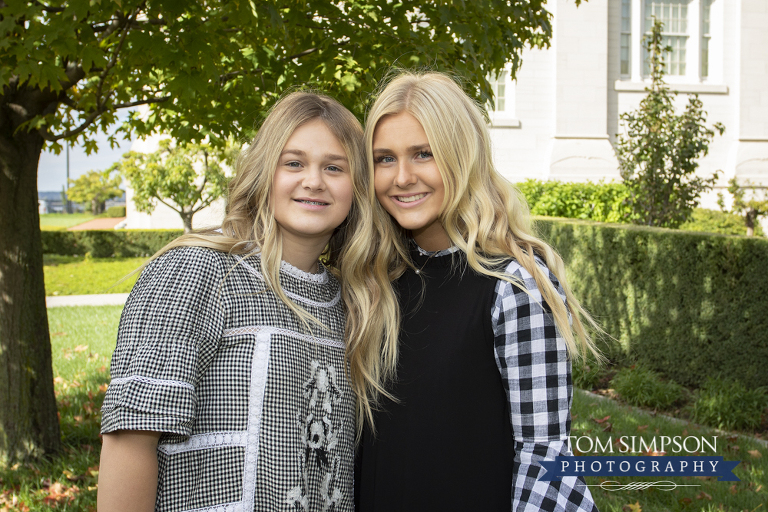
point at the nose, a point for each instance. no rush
(314, 179)
(404, 177)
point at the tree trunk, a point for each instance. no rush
(186, 217)
(750, 219)
(29, 425)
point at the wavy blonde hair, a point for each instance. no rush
(482, 213)
(249, 225)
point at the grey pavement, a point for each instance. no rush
(105, 299)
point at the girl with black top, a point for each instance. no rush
(478, 388)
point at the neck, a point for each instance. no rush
(303, 254)
(433, 238)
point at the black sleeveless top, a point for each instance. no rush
(447, 444)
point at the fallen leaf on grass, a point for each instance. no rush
(103, 388)
(80, 348)
(632, 507)
(601, 421)
(733, 489)
(755, 453)
(58, 334)
(703, 496)
(759, 488)
(58, 380)
(685, 501)
(641, 428)
(72, 477)
(58, 493)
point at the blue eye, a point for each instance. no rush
(334, 168)
(385, 159)
(425, 154)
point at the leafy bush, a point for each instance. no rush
(729, 405)
(603, 202)
(116, 211)
(108, 243)
(715, 221)
(638, 385)
(679, 303)
(587, 373)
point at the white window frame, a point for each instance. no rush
(693, 47)
(504, 118)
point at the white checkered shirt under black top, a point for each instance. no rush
(531, 356)
(256, 412)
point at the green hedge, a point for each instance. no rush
(108, 243)
(600, 201)
(116, 211)
(688, 305)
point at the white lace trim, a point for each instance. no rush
(296, 296)
(255, 406)
(224, 507)
(156, 382)
(286, 332)
(205, 441)
(320, 277)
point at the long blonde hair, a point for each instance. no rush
(482, 213)
(249, 225)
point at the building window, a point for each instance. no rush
(499, 85)
(687, 30)
(674, 15)
(705, 37)
(626, 35)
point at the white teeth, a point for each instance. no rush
(410, 199)
(313, 202)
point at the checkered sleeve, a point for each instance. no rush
(531, 356)
(168, 333)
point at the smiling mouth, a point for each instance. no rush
(410, 199)
(314, 203)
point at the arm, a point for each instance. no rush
(532, 359)
(128, 471)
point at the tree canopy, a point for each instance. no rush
(211, 68)
(186, 177)
(95, 188)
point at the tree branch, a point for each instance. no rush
(47, 8)
(141, 102)
(45, 134)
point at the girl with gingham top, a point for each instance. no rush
(229, 387)
(478, 388)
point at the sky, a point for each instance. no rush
(52, 169)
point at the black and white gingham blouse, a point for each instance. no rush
(532, 358)
(255, 410)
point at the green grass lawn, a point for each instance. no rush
(83, 339)
(57, 221)
(604, 419)
(78, 275)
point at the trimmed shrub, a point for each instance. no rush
(715, 221)
(637, 385)
(108, 243)
(729, 405)
(116, 211)
(603, 202)
(679, 303)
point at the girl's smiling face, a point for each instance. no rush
(312, 187)
(407, 181)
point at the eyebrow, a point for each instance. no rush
(327, 156)
(417, 147)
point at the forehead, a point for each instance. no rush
(399, 129)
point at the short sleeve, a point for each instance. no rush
(169, 331)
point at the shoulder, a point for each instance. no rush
(189, 261)
(520, 282)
